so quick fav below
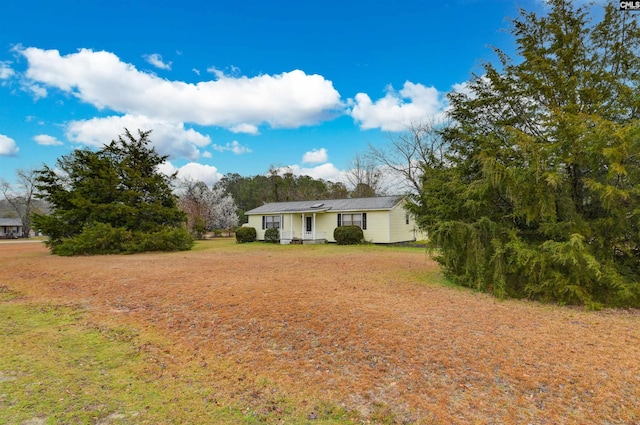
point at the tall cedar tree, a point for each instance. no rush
(539, 195)
(109, 201)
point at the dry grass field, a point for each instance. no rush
(331, 334)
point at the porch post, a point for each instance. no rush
(291, 225)
(303, 227)
(314, 226)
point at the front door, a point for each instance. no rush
(309, 227)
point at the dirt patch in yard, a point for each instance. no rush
(365, 328)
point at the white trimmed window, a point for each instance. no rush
(270, 221)
(353, 219)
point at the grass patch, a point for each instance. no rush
(7, 294)
(57, 368)
(230, 245)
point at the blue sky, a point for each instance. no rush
(235, 87)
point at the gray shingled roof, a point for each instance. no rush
(355, 204)
(10, 222)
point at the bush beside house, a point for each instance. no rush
(272, 235)
(348, 235)
(246, 234)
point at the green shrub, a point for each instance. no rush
(272, 235)
(246, 234)
(198, 228)
(348, 235)
(102, 238)
(94, 239)
(166, 239)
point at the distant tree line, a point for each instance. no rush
(275, 186)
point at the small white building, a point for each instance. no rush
(382, 219)
(10, 228)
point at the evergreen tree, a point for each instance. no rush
(539, 194)
(109, 201)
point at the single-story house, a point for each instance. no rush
(10, 228)
(383, 219)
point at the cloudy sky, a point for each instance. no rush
(235, 87)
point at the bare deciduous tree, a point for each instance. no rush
(406, 155)
(364, 177)
(193, 200)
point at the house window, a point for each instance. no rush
(406, 219)
(270, 221)
(355, 219)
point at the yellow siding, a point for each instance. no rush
(377, 227)
(399, 230)
(327, 222)
(285, 223)
(376, 232)
(255, 221)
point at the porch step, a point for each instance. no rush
(314, 241)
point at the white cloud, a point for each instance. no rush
(463, 88)
(37, 91)
(6, 71)
(315, 156)
(155, 59)
(167, 168)
(215, 71)
(288, 100)
(46, 140)
(8, 146)
(193, 171)
(398, 109)
(234, 147)
(244, 128)
(325, 171)
(169, 139)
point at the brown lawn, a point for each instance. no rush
(366, 328)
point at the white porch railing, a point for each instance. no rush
(318, 235)
(286, 234)
(290, 234)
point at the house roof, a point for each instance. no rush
(10, 222)
(335, 205)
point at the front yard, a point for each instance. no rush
(259, 333)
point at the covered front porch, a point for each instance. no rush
(301, 228)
